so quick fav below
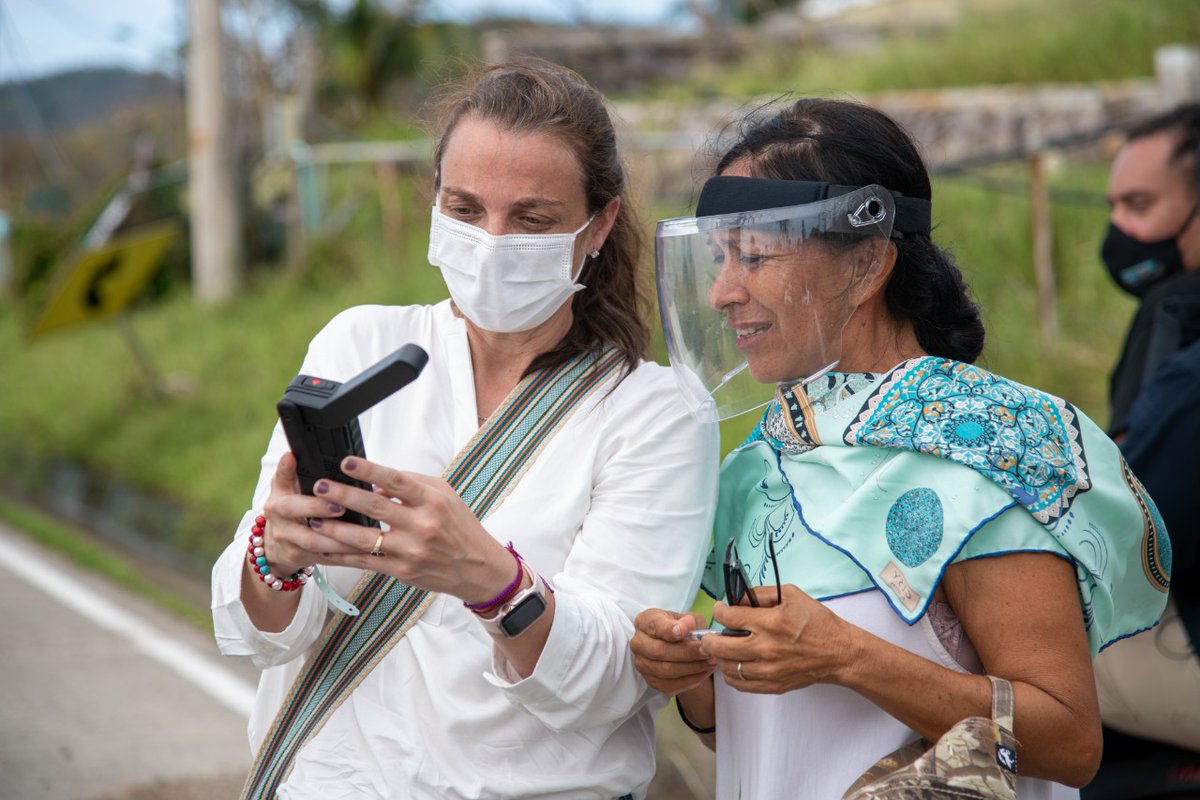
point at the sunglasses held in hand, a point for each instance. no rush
(737, 585)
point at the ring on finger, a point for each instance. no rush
(377, 550)
(741, 677)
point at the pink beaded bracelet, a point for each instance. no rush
(506, 593)
(257, 556)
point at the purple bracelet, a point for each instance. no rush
(506, 592)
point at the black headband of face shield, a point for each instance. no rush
(732, 194)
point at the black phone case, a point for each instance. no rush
(320, 418)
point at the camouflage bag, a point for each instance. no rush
(977, 758)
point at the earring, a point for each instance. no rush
(594, 254)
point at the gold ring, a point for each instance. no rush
(741, 677)
(377, 550)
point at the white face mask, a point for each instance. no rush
(503, 283)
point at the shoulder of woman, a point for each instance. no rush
(649, 385)
(359, 336)
(1039, 448)
(947, 389)
(371, 318)
(650, 393)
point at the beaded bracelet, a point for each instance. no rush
(506, 593)
(257, 556)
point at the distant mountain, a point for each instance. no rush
(67, 99)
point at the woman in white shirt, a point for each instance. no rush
(497, 671)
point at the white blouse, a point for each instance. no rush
(814, 742)
(616, 513)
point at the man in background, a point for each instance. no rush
(1149, 684)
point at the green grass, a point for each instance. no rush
(1022, 41)
(83, 552)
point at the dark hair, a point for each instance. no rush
(1184, 121)
(532, 95)
(852, 144)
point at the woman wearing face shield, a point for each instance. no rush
(901, 524)
(501, 667)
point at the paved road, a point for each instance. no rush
(104, 696)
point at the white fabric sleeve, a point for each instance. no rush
(642, 545)
(235, 633)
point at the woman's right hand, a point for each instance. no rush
(289, 542)
(663, 652)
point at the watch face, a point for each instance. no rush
(523, 615)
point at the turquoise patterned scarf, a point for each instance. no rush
(868, 481)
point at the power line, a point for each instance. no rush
(44, 146)
(79, 23)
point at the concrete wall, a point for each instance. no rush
(954, 127)
(612, 59)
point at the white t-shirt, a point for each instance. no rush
(812, 743)
(616, 513)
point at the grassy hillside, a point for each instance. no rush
(988, 42)
(67, 99)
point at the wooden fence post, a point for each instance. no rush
(1043, 266)
(387, 182)
(1177, 68)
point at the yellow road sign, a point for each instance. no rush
(98, 283)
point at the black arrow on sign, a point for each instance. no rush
(91, 297)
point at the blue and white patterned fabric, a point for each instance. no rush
(1026, 441)
(881, 481)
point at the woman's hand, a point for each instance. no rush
(290, 544)
(791, 645)
(290, 541)
(668, 659)
(1020, 612)
(431, 539)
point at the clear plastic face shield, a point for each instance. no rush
(752, 299)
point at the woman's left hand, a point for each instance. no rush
(791, 645)
(432, 539)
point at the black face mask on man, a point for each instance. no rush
(1136, 266)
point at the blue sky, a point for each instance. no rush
(42, 36)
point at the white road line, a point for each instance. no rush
(224, 685)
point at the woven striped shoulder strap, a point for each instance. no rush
(483, 474)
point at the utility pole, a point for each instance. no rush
(215, 228)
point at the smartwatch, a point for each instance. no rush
(521, 611)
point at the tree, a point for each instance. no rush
(365, 47)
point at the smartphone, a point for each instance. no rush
(700, 632)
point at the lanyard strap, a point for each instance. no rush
(483, 474)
